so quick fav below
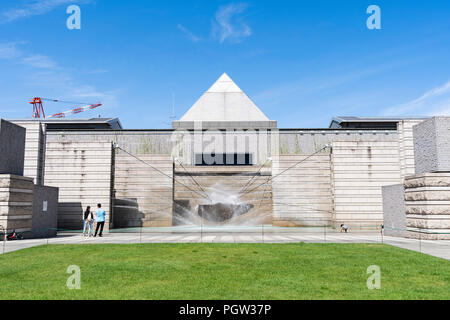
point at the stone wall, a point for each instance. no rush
(34, 162)
(133, 141)
(302, 195)
(353, 192)
(308, 141)
(180, 143)
(360, 169)
(83, 173)
(406, 146)
(394, 210)
(143, 194)
(12, 146)
(427, 206)
(16, 201)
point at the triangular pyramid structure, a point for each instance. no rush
(225, 105)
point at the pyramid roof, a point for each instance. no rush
(224, 101)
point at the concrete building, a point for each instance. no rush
(224, 147)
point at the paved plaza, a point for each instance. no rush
(438, 248)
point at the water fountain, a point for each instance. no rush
(221, 209)
(222, 212)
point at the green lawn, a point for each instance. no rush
(222, 271)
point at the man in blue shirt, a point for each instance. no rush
(100, 217)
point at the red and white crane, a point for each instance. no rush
(38, 108)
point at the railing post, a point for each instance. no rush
(262, 225)
(420, 242)
(4, 238)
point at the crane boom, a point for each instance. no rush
(38, 108)
(75, 111)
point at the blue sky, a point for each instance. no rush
(302, 62)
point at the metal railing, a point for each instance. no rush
(358, 233)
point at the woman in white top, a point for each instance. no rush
(88, 224)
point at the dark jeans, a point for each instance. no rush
(99, 225)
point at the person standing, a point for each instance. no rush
(100, 217)
(88, 220)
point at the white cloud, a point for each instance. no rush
(12, 51)
(64, 86)
(34, 8)
(319, 85)
(97, 71)
(190, 35)
(229, 25)
(9, 51)
(42, 75)
(433, 102)
(39, 61)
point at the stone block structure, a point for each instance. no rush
(427, 194)
(427, 200)
(16, 203)
(432, 145)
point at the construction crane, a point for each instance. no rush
(38, 108)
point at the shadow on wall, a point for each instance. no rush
(126, 214)
(70, 216)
